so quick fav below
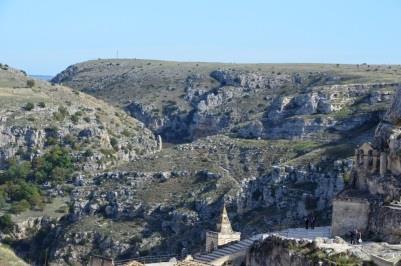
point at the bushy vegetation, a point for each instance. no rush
(114, 143)
(19, 183)
(6, 224)
(61, 114)
(29, 106)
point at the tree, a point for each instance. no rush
(17, 170)
(56, 165)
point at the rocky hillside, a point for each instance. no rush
(272, 141)
(185, 101)
(50, 137)
(35, 115)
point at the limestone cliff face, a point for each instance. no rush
(14, 138)
(185, 101)
(277, 189)
(393, 114)
(388, 131)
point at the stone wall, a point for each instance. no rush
(349, 215)
(214, 239)
(228, 238)
(385, 224)
(211, 241)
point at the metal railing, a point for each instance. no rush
(150, 259)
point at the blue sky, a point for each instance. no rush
(45, 36)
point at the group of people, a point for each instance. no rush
(310, 221)
(356, 236)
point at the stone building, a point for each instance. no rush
(223, 235)
(371, 201)
(100, 261)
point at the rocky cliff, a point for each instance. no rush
(185, 101)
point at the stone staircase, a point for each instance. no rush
(303, 233)
(300, 233)
(227, 250)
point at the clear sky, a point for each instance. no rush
(45, 36)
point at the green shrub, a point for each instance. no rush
(51, 141)
(63, 110)
(20, 206)
(88, 153)
(41, 104)
(126, 133)
(114, 143)
(74, 119)
(58, 116)
(2, 198)
(69, 140)
(6, 223)
(87, 119)
(30, 83)
(61, 113)
(29, 106)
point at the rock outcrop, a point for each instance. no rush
(277, 251)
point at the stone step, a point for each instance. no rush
(205, 258)
(220, 253)
(246, 243)
(230, 249)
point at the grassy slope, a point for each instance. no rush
(8, 258)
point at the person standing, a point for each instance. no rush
(358, 237)
(312, 222)
(352, 236)
(306, 220)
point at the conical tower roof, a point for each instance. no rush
(223, 224)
